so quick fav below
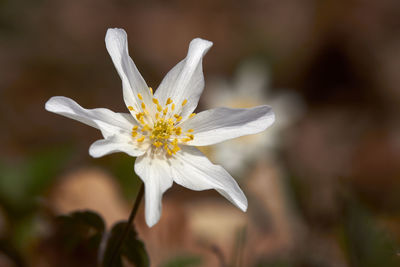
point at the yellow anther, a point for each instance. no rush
(165, 111)
(174, 142)
(130, 108)
(190, 131)
(159, 108)
(186, 140)
(142, 120)
(191, 136)
(171, 121)
(192, 115)
(157, 115)
(173, 107)
(184, 102)
(141, 139)
(157, 144)
(179, 118)
(151, 90)
(146, 128)
(143, 106)
(169, 101)
(155, 101)
(140, 96)
(134, 128)
(176, 115)
(134, 134)
(176, 149)
(178, 131)
(139, 115)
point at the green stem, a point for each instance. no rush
(128, 225)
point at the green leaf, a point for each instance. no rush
(22, 182)
(133, 250)
(367, 243)
(80, 231)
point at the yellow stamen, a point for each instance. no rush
(173, 107)
(192, 115)
(140, 96)
(157, 144)
(130, 108)
(184, 102)
(151, 90)
(141, 139)
(190, 131)
(159, 108)
(134, 134)
(155, 101)
(146, 128)
(143, 106)
(178, 131)
(176, 149)
(169, 101)
(134, 128)
(165, 111)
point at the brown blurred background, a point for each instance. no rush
(327, 195)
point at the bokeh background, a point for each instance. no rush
(323, 183)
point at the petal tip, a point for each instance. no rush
(115, 31)
(201, 44)
(151, 221)
(54, 103)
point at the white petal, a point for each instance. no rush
(193, 170)
(185, 80)
(216, 125)
(132, 82)
(109, 122)
(116, 144)
(156, 175)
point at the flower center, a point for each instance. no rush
(161, 129)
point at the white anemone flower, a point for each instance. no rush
(250, 87)
(161, 129)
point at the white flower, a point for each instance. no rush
(251, 87)
(162, 131)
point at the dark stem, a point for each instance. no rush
(128, 225)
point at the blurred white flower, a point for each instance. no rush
(250, 87)
(161, 129)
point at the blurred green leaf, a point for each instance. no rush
(367, 243)
(132, 249)
(184, 261)
(21, 183)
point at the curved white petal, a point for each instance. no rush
(116, 144)
(186, 80)
(107, 121)
(156, 175)
(193, 170)
(132, 81)
(216, 125)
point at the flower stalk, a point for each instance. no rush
(120, 242)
